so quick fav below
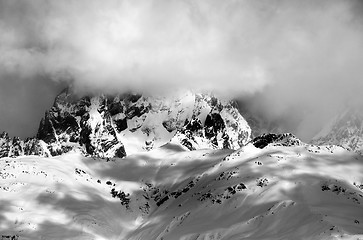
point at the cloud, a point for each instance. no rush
(134, 44)
(284, 55)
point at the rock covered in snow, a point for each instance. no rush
(215, 125)
(271, 139)
(116, 126)
(14, 147)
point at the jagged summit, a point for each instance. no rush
(119, 125)
(346, 130)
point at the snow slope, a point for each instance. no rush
(277, 192)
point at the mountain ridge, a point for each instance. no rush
(122, 124)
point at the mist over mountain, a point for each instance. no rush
(296, 62)
(345, 129)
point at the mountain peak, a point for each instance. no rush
(123, 124)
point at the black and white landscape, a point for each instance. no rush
(187, 120)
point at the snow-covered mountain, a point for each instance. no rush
(346, 130)
(189, 170)
(291, 191)
(116, 126)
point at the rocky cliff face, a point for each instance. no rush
(116, 126)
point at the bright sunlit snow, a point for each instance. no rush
(301, 192)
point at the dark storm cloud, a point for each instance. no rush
(23, 103)
(292, 57)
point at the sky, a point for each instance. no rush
(291, 61)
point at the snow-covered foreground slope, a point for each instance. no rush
(301, 192)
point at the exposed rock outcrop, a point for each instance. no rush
(271, 139)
